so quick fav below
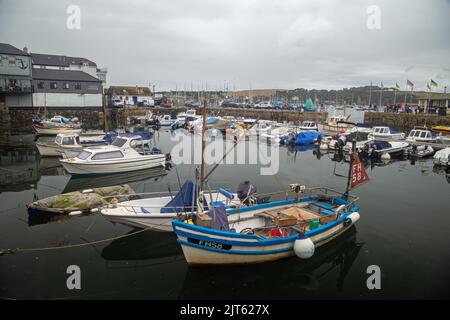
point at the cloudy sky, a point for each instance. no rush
(246, 44)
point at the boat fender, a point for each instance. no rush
(351, 219)
(304, 247)
(323, 146)
(75, 213)
(385, 156)
(87, 191)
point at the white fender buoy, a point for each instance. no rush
(352, 218)
(323, 146)
(304, 248)
(385, 156)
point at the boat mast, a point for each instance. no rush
(105, 117)
(202, 172)
(352, 157)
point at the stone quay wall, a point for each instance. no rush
(405, 121)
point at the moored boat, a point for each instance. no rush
(120, 156)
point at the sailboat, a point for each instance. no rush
(267, 230)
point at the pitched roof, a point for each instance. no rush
(63, 75)
(6, 48)
(58, 61)
(129, 90)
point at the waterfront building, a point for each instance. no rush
(15, 77)
(132, 96)
(434, 102)
(66, 89)
(66, 82)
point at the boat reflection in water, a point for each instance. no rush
(98, 181)
(299, 278)
(142, 246)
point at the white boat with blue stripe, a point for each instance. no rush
(268, 231)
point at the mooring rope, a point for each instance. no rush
(24, 250)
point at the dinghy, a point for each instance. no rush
(80, 202)
(442, 157)
(120, 156)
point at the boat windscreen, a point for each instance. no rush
(119, 142)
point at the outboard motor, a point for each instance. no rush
(245, 192)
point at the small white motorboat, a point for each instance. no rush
(64, 142)
(421, 134)
(442, 157)
(308, 126)
(384, 150)
(386, 133)
(157, 213)
(120, 156)
(166, 120)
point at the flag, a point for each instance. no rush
(359, 175)
(428, 86)
(434, 83)
(397, 87)
(409, 84)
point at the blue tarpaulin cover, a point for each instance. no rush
(307, 137)
(182, 202)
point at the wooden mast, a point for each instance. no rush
(105, 117)
(350, 169)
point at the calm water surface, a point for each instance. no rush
(404, 229)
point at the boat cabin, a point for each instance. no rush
(420, 134)
(68, 139)
(309, 125)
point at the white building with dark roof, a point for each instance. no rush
(55, 88)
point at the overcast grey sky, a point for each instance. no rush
(322, 44)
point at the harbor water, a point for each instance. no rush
(404, 228)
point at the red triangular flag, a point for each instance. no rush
(359, 175)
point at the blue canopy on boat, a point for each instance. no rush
(212, 121)
(182, 202)
(304, 138)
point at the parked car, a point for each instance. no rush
(117, 103)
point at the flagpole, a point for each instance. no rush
(370, 92)
(381, 94)
(395, 96)
(406, 92)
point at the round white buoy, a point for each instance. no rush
(385, 156)
(323, 146)
(354, 216)
(304, 248)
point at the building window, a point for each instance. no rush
(92, 88)
(53, 85)
(66, 85)
(41, 85)
(77, 86)
(12, 61)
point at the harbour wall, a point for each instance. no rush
(405, 121)
(15, 120)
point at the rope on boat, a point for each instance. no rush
(77, 245)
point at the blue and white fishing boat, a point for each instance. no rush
(263, 230)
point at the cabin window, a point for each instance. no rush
(423, 134)
(68, 141)
(385, 130)
(428, 135)
(84, 155)
(108, 155)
